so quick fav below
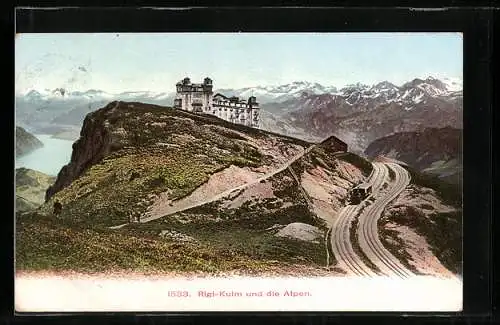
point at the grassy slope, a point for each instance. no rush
(120, 186)
(241, 231)
(43, 243)
(237, 241)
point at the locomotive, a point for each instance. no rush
(359, 193)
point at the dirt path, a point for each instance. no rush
(165, 207)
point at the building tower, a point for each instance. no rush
(254, 112)
(193, 97)
(207, 95)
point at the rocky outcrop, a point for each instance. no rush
(175, 235)
(301, 231)
(95, 142)
(26, 142)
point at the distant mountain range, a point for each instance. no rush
(91, 94)
(361, 97)
(265, 94)
(357, 113)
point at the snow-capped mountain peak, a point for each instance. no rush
(429, 87)
(384, 86)
(453, 84)
(355, 87)
(361, 96)
(280, 93)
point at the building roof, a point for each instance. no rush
(220, 95)
(332, 139)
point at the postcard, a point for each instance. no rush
(238, 172)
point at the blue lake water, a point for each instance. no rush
(50, 158)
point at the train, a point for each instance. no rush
(359, 193)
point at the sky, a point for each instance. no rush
(156, 61)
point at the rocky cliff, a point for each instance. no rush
(90, 148)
